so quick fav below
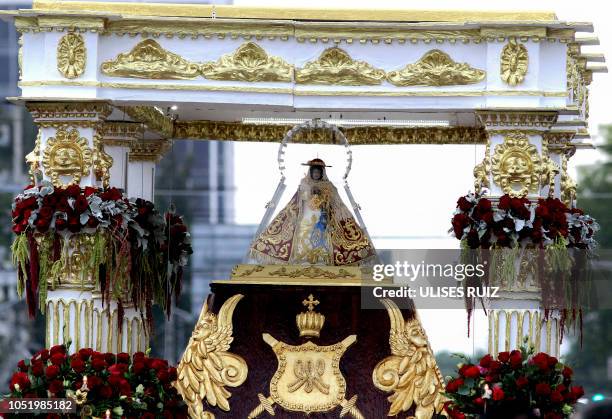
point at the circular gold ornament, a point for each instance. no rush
(514, 62)
(71, 55)
(67, 155)
(516, 165)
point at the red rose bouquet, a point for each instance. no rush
(128, 386)
(129, 239)
(515, 383)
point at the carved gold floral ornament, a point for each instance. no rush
(67, 155)
(102, 162)
(249, 62)
(336, 67)
(148, 60)
(410, 372)
(207, 366)
(516, 165)
(514, 62)
(71, 55)
(436, 68)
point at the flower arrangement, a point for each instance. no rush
(133, 253)
(513, 383)
(128, 387)
(515, 222)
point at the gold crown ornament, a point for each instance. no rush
(310, 322)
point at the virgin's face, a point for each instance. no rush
(316, 173)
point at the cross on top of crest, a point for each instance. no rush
(311, 303)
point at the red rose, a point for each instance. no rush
(22, 366)
(73, 191)
(123, 358)
(45, 212)
(567, 372)
(89, 191)
(60, 224)
(105, 392)
(469, 371)
(81, 204)
(498, 393)
(138, 355)
(92, 222)
(495, 366)
(74, 224)
(454, 385)
(118, 369)
(55, 386)
(552, 361)
(516, 359)
(138, 367)
(541, 361)
(98, 364)
(93, 381)
(159, 364)
(542, 389)
(556, 397)
(38, 369)
(522, 382)
(85, 353)
(504, 203)
(460, 222)
(172, 373)
(576, 392)
(485, 361)
(58, 358)
(21, 380)
(162, 376)
(463, 204)
(57, 349)
(42, 224)
(77, 365)
(42, 355)
(125, 389)
(479, 401)
(109, 358)
(503, 356)
(52, 371)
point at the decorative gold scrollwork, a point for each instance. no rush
(67, 155)
(33, 159)
(102, 162)
(336, 67)
(311, 272)
(249, 62)
(436, 68)
(516, 165)
(148, 60)
(207, 366)
(514, 62)
(410, 372)
(482, 171)
(71, 55)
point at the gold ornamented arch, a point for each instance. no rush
(514, 62)
(336, 67)
(436, 68)
(516, 165)
(71, 55)
(148, 60)
(67, 155)
(250, 63)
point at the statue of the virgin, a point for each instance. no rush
(314, 228)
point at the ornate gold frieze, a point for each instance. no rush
(436, 68)
(113, 131)
(148, 60)
(33, 159)
(482, 171)
(578, 80)
(152, 117)
(236, 131)
(336, 67)
(149, 150)
(69, 113)
(514, 62)
(249, 62)
(410, 372)
(311, 272)
(514, 119)
(67, 155)
(207, 366)
(516, 165)
(71, 55)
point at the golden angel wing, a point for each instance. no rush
(410, 372)
(207, 366)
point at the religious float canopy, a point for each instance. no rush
(111, 85)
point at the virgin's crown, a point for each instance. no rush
(310, 322)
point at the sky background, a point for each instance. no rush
(407, 193)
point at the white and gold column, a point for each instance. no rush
(521, 160)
